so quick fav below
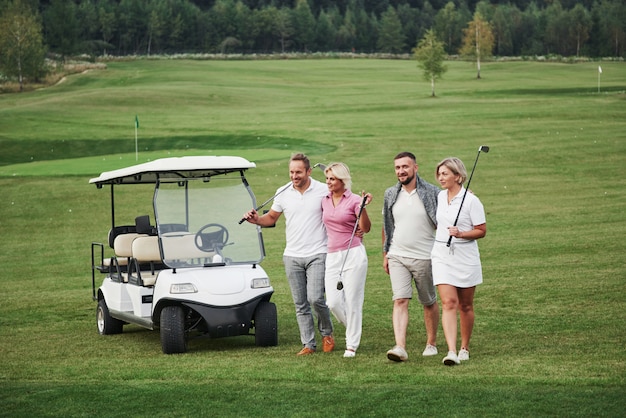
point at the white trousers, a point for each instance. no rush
(347, 304)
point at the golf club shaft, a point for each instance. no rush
(267, 201)
(356, 224)
(467, 188)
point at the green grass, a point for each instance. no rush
(549, 337)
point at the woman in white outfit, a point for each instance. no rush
(340, 210)
(457, 269)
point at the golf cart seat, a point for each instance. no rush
(126, 235)
(123, 252)
(181, 246)
(146, 261)
(142, 225)
(120, 230)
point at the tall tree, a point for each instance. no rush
(556, 29)
(503, 28)
(284, 28)
(430, 54)
(580, 20)
(106, 23)
(304, 25)
(447, 26)
(346, 35)
(410, 18)
(612, 19)
(265, 21)
(155, 29)
(391, 37)
(87, 17)
(21, 43)
(61, 27)
(478, 40)
(325, 32)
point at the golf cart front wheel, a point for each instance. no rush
(107, 325)
(173, 339)
(266, 324)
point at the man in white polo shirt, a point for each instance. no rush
(409, 224)
(305, 251)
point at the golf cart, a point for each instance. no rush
(196, 271)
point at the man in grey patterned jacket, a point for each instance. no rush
(409, 224)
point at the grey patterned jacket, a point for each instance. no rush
(427, 193)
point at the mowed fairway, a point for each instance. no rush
(549, 337)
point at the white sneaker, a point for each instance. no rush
(349, 354)
(397, 353)
(451, 359)
(463, 355)
(430, 350)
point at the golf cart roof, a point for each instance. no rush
(173, 168)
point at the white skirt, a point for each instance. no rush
(457, 265)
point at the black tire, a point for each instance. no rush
(172, 326)
(266, 324)
(107, 325)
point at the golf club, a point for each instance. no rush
(267, 201)
(345, 257)
(485, 149)
(321, 166)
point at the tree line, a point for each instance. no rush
(66, 28)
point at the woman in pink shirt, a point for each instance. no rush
(346, 262)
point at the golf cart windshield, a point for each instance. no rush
(198, 222)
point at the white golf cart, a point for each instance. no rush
(195, 272)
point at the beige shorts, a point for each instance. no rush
(403, 271)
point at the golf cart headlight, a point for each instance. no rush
(260, 282)
(178, 288)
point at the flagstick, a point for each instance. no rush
(599, 73)
(136, 149)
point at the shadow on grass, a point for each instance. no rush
(556, 91)
(16, 152)
(258, 396)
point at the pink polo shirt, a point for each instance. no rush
(339, 221)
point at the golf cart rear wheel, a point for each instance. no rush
(266, 324)
(107, 325)
(173, 339)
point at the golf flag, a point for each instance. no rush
(137, 120)
(599, 69)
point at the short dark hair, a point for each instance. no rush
(303, 158)
(406, 154)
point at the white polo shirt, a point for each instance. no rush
(304, 230)
(413, 233)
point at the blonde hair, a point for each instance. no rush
(340, 171)
(456, 166)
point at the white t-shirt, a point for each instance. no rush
(413, 233)
(304, 230)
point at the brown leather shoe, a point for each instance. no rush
(305, 351)
(328, 343)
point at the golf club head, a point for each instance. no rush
(321, 166)
(483, 148)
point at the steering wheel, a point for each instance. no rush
(213, 240)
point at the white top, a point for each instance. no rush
(304, 230)
(413, 234)
(472, 214)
